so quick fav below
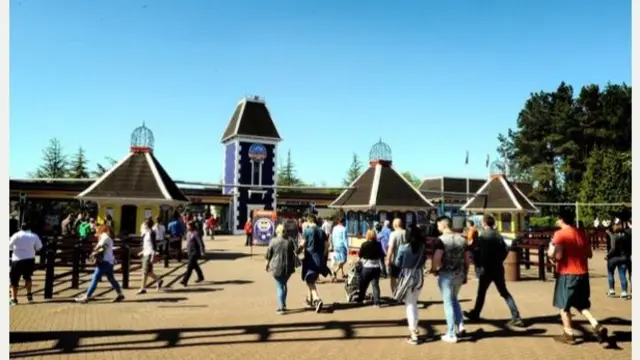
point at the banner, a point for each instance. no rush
(264, 226)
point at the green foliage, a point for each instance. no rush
(607, 179)
(556, 134)
(55, 164)
(544, 222)
(79, 165)
(287, 173)
(355, 169)
(414, 180)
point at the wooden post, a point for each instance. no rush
(542, 264)
(527, 257)
(167, 243)
(49, 273)
(75, 267)
(126, 265)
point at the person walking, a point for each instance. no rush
(371, 257)
(450, 263)
(281, 259)
(490, 253)
(396, 239)
(148, 253)
(248, 231)
(571, 251)
(618, 257)
(340, 247)
(410, 262)
(194, 253)
(103, 253)
(24, 244)
(315, 246)
(66, 227)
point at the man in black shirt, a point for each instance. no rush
(490, 252)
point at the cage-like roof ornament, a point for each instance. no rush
(380, 152)
(142, 138)
(497, 168)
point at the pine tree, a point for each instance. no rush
(55, 162)
(79, 165)
(354, 171)
(287, 173)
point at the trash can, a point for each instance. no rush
(512, 264)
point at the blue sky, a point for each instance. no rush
(433, 79)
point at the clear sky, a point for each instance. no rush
(433, 79)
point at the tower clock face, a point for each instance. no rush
(257, 152)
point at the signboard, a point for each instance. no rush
(257, 152)
(264, 226)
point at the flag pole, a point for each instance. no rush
(466, 165)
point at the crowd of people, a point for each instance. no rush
(401, 255)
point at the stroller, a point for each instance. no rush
(352, 285)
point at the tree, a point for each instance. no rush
(414, 180)
(79, 165)
(287, 173)
(607, 179)
(101, 169)
(55, 162)
(556, 133)
(355, 169)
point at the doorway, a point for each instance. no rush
(128, 220)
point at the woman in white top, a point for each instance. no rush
(149, 237)
(105, 259)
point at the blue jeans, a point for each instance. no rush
(281, 290)
(449, 288)
(106, 269)
(622, 272)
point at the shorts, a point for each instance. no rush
(394, 271)
(147, 264)
(572, 291)
(21, 268)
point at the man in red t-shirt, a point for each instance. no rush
(571, 251)
(248, 230)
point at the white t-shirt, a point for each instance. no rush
(160, 231)
(107, 243)
(24, 245)
(147, 244)
(397, 238)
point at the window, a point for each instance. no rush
(256, 172)
(505, 220)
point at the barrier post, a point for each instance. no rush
(126, 266)
(49, 274)
(75, 267)
(527, 257)
(541, 263)
(167, 243)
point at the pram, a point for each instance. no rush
(352, 285)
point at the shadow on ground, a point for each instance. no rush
(90, 341)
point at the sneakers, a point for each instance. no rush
(118, 298)
(624, 295)
(30, 298)
(159, 284)
(413, 340)
(82, 299)
(471, 315)
(142, 291)
(318, 305)
(517, 323)
(565, 338)
(13, 302)
(611, 293)
(281, 311)
(601, 333)
(449, 339)
(308, 303)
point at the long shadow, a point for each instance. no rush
(76, 341)
(101, 300)
(227, 282)
(230, 256)
(384, 303)
(192, 290)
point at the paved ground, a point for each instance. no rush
(232, 316)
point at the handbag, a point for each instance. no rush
(408, 280)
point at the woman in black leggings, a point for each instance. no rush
(371, 256)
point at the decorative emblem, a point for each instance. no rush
(257, 152)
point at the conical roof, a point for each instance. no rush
(500, 195)
(380, 187)
(251, 119)
(138, 177)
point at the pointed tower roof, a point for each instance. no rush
(381, 187)
(251, 119)
(500, 195)
(138, 177)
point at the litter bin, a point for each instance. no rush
(512, 264)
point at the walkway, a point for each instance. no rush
(232, 316)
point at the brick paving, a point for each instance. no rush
(232, 316)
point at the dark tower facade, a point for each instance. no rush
(250, 143)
